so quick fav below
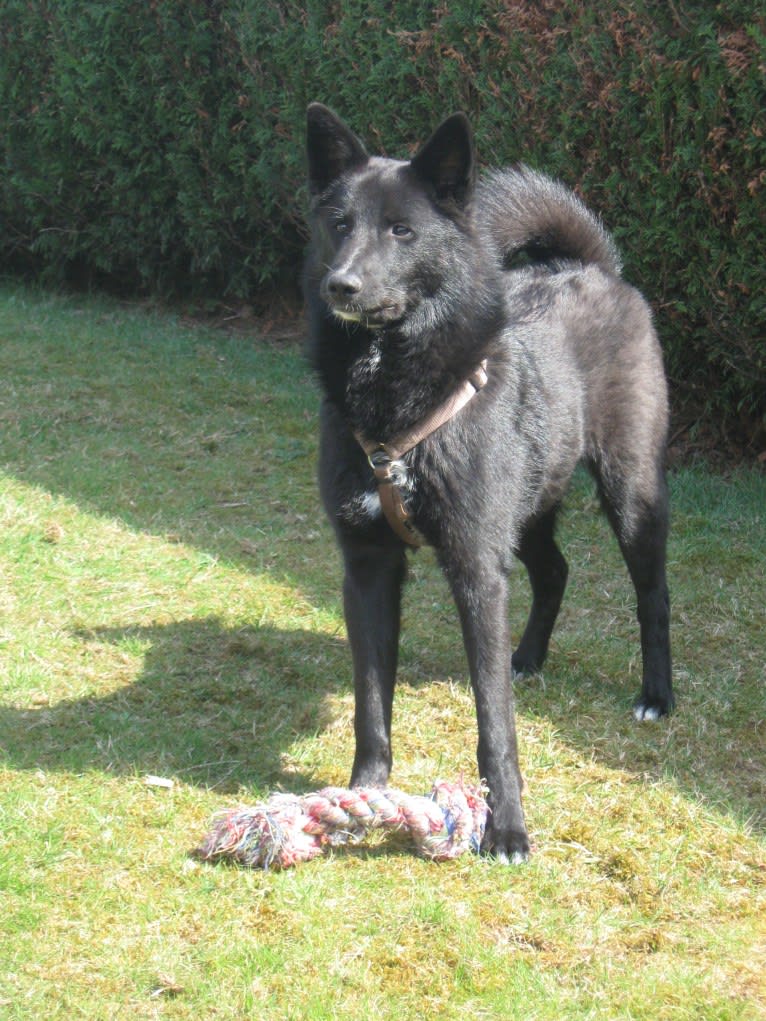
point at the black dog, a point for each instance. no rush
(420, 279)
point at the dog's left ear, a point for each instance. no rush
(332, 147)
(447, 161)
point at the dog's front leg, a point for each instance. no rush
(481, 594)
(372, 606)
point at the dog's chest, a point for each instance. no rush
(362, 509)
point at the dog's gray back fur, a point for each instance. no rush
(584, 334)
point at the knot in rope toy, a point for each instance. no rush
(288, 829)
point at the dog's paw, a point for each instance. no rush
(525, 666)
(370, 773)
(507, 849)
(517, 858)
(650, 709)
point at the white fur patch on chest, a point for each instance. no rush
(371, 505)
(361, 509)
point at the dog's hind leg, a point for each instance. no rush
(547, 570)
(372, 604)
(641, 525)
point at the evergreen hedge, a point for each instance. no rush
(158, 144)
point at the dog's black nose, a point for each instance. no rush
(343, 285)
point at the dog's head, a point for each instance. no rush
(388, 234)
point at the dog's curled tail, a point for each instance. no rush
(523, 211)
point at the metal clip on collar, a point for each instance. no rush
(391, 475)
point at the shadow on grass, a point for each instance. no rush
(707, 749)
(214, 707)
(227, 708)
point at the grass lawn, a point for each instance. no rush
(169, 606)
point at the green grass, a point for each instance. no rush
(169, 605)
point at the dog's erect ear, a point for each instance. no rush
(332, 148)
(447, 160)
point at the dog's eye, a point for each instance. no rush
(401, 230)
(342, 226)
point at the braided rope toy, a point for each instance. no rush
(288, 829)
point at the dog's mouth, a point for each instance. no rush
(372, 318)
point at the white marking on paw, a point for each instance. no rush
(517, 858)
(642, 712)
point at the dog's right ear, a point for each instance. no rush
(332, 148)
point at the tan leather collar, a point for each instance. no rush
(385, 458)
